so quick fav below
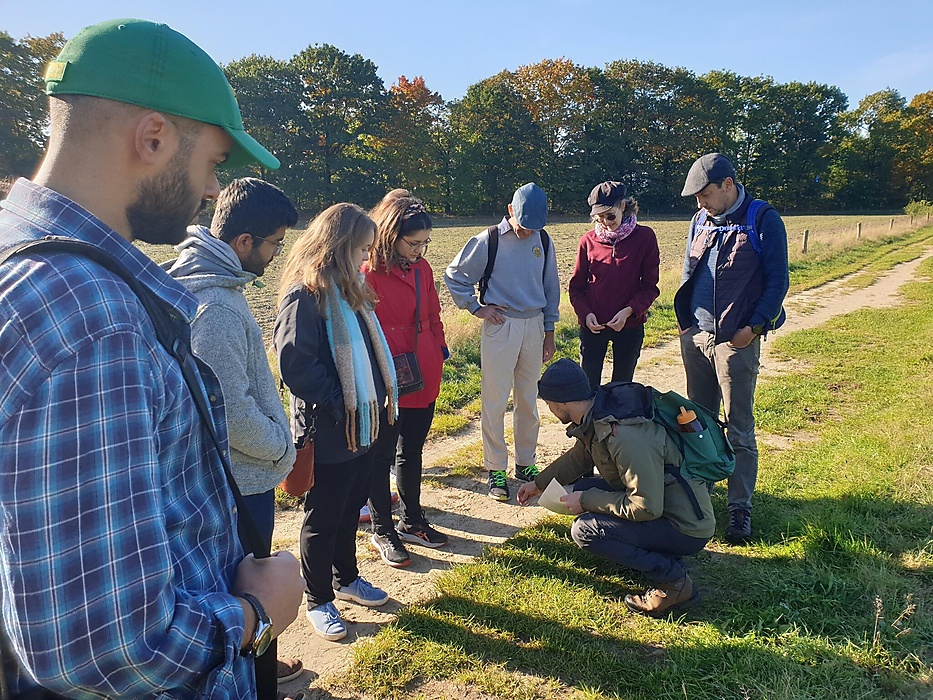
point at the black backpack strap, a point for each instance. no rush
(174, 335)
(492, 248)
(675, 472)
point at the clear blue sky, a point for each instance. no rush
(859, 46)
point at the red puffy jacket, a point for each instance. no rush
(396, 313)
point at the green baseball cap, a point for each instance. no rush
(153, 66)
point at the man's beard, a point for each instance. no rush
(254, 263)
(166, 204)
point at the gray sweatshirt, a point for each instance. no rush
(226, 336)
(522, 282)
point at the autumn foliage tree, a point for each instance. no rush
(23, 113)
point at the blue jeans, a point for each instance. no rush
(719, 373)
(653, 547)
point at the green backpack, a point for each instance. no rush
(708, 455)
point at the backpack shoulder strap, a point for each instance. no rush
(546, 247)
(698, 220)
(172, 333)
(756, 211)
(492, 247)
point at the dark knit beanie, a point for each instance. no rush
(564, 381)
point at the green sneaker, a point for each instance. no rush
(526, 473)
(498, 486)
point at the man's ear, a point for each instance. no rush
(153, 137)
(242, 244)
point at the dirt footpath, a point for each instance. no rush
(472, 520)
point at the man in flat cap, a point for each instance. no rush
(515, 268)
(121, 573)
(731, 294)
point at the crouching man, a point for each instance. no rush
(635, 513)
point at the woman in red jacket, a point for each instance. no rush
(400, 274)
(613, 284)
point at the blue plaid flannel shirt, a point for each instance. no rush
(118, 541)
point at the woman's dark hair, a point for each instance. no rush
(397, 214)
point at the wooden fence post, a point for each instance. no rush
(891, 225)
(858, 231)
(806, 237)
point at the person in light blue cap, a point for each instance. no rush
(507, 276)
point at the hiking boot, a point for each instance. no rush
(664, 598)
(498, 487)
(740, 527)
(327, 622)
(288, 670)
(422, 533)
(391, 549)
(362, 592)
(526, 473)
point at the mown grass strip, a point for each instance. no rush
(832, 599)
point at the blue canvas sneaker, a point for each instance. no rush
(327, 622)
(362, 592)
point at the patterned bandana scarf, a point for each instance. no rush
(403, 263)
(620, 233)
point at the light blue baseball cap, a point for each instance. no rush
(529, 207)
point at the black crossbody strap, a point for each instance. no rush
(417, 306)
(173, 334)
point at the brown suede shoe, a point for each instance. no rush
(288, 669)
(664, 598)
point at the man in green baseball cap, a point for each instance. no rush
(123, 526)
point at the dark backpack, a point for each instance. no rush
(753, 216)
(491, 251)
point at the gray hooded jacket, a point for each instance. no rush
(226, 336)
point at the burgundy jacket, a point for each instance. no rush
(608, 278)
(396, 313)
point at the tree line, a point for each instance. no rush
(343, 136)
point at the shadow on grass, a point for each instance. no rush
(812, 602)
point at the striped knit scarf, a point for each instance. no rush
(361, 403)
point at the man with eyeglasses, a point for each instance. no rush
(247, 231)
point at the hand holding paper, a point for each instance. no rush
(550, 498)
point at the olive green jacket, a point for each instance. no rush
(630, 454)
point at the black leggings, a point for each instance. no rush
(401, 444)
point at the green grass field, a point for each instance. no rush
(831, 600)
(832, 251)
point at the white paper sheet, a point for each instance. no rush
(550, 498)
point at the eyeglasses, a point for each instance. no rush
(279, 247)
(422, 246)
(607, 216)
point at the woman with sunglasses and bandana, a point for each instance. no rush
(399, 274)
(613, 284)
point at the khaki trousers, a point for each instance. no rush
(511, 360)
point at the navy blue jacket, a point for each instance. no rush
(748, 288)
